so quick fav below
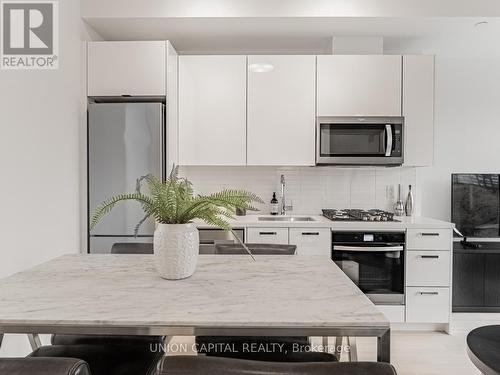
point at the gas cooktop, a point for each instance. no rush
(358, 215)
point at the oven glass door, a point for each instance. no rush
(337, 140)
(377, 270)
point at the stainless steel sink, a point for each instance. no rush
(286, 218)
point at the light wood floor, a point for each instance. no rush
(424, 353)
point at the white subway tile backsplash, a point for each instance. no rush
(310, 189)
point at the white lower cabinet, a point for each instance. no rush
(428, 239)
(267, 235)
(311, 241)
(428, 268)
(395, 314)
(427, 305)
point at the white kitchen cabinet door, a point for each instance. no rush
(126, 68)
(362, 85)
(267, 235)
(427, 305)
(428, 268)
(281, 110)
(212, 110)
(311, 241)
(418, 109)
(429, 239)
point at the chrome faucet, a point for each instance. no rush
(283, 207)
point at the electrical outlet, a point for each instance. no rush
(389, 192)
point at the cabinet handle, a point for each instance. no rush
(268, 233)
(310, 233)
(429, 256)
(429, 293)
(429, 234)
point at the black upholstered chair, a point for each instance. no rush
(132, 248)
(201, 365)
(277, 349)
(43, 366)
(107, 355)
(256, 249)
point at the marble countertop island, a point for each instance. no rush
(224, 291)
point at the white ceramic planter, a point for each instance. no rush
(176, 249)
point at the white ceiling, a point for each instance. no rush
(288, 34)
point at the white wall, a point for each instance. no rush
(467, 122)
(309, 189)
(467, 128)
(39, 161)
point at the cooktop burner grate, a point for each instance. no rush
(358, 215)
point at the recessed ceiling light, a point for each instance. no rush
(481, 23)
(261, 67)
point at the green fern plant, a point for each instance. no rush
(173, 202)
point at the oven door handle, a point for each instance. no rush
(388, 144)
(367, 248)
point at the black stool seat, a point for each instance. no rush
(483, 348)
(262, 348)
(201, 365)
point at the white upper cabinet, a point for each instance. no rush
(212, 110)
(418, 109)
(281, 110)
(126, 68)
(361, 85)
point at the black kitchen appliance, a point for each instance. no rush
(374, 261)
(475, 206)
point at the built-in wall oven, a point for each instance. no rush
(374, 261)
(359, 141)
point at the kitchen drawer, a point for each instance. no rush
(395, 314)
(428, 239)
(428, 268)
(427, 305)
(311, 241)
(267, 235)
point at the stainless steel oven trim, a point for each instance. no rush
(365, 249)
(362, 160)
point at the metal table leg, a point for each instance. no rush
(34, 340)
(384, 347)
(353, 349)
(325, 344)
(339, 342)
(1, 339)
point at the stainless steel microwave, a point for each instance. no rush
(359, 141)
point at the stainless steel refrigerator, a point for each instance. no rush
(126, 141)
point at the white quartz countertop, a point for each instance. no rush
(403, 222)
(106, 291)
